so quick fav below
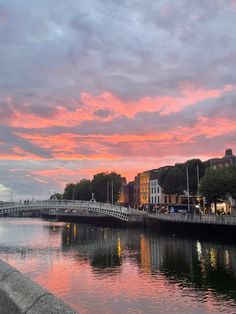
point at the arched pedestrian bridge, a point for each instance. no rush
(74, 208)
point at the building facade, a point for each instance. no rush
(155, 192)
(124, 193)
(155, 189)
(144, 188)
(136, 192)
(228, 160)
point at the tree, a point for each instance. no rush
(99, 186)
(173, 179)
(232, 181)
(69, 191)
(172, 182)
(83, 190)
(56, 196)
(216, 184)
(102, 186)
(78, 191)
(192, 166)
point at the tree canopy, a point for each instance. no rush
(173, 179)
(218, 184)
(78, 191)
(56, 196)
(103, 185)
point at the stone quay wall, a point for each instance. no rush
(19, 294)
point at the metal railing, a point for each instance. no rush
(75, 206)
(195, 218)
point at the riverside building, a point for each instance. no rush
(228, 160)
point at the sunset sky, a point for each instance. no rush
(101, 85)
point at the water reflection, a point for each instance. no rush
(189, 263)
(204, 265)
(101, 246)
(138, 270)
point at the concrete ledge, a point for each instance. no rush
(18, 294)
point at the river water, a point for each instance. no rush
(110, 270)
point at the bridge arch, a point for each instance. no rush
(60, 207)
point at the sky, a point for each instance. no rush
(112, 85)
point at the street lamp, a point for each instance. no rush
(188, 188)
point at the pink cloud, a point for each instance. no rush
(163, 104)
(124, 153)
(89, 104)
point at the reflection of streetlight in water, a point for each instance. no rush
(119, 248)
(74, 231)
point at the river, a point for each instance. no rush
(110, 270)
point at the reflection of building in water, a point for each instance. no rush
(98, 245)
(145, 253)
(189, 262)
(156, 253)
(201, 264)
(103, 247)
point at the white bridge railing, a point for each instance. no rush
(74, 207)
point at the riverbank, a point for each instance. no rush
(196, 226)
(18, 295)
(177, 223)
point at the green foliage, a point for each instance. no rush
(173, 179)
(192, 165)
(57, 196)
(102, 186)
(69, 191)
(218, 184)
(172, 182)
(83, 190)
(99, 186)
(232, 181)
(79, 191)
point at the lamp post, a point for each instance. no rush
(187, 188)
(198, 183)
(11, 197)
(112, 192)
(107, 191)
(73, 193)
